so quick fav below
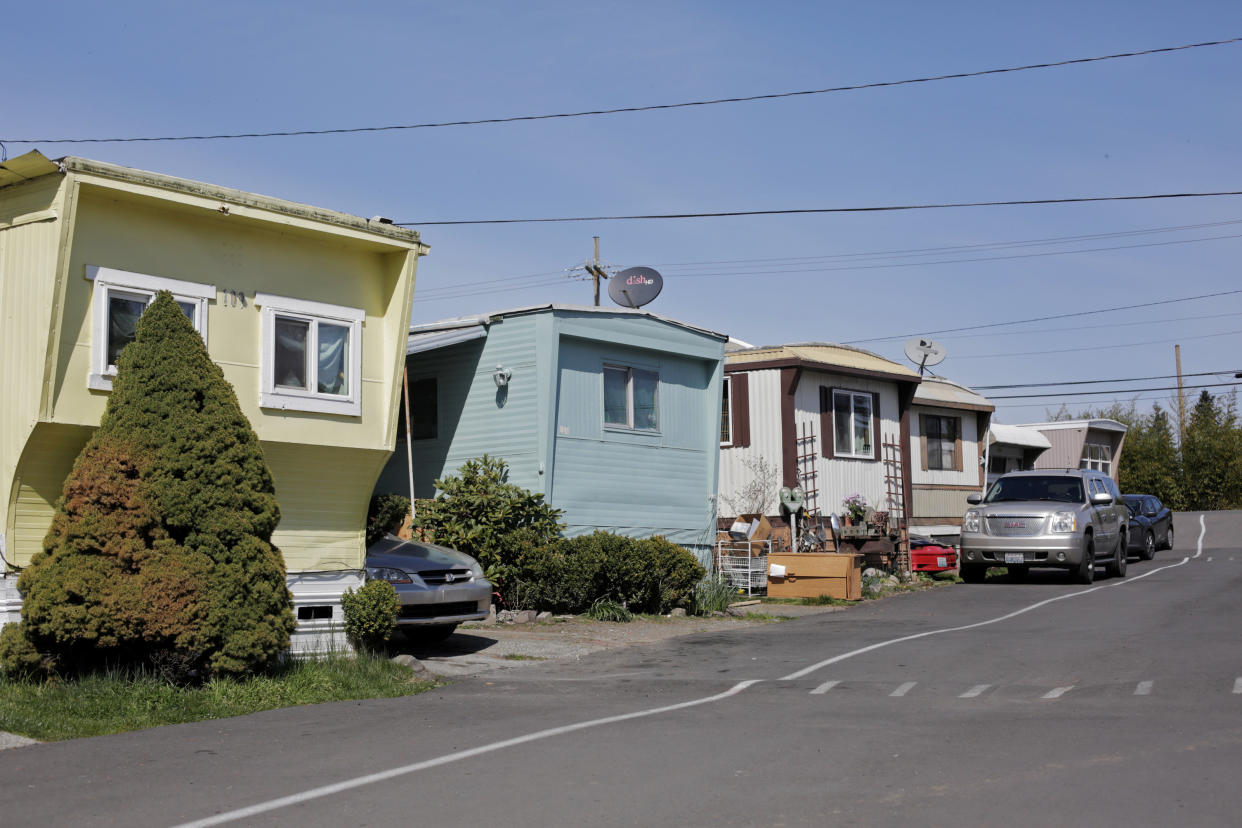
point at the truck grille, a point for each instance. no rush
(1016, 526)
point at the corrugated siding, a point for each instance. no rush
(1066, 451)
(969, 475)
(765, 443)
(28, 260)
(840, 477)
(323, 494)
(630, 482)
(39, 480)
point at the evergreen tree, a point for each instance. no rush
(1208, 455)
(160, 548)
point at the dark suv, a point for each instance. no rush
(1069, 519)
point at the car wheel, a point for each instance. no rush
(431, 635)
(1117, 567)
(1085, 573)
(1168, 539)
(1018, 574)
(973, 573)
(1149, 546)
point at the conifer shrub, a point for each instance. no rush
(369, 614)
(385, 514)
(160, 549)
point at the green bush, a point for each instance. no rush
(160, 547)
(476, 512)
(713, 595)
(606, 610)
(385, 514)
(645, 575)
(369, 614)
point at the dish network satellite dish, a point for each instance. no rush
(924, 353)
(635, 286)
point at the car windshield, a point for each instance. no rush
(1043, 487)
(1134, 504)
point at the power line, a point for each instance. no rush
(1097, 326)
(887, 208)
(1113, 391)
(626, 109)
(1095, 382)
(1100, 347)
(1046, 318)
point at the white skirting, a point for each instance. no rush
(319, 594)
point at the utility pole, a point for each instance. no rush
(1181, 399)
(596, 271)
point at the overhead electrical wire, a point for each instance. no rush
(628, 109)
(1094, 347)
(1096, 382)
(1113, 391)
(1048, 318)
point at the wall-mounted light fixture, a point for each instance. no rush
(502, 375)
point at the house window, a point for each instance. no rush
(852, 425)
(631, 398)
(726, 419)
(424, 409)
(119, 299)
(941, 435)
(1098, 456)
(312, 356)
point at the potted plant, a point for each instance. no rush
(855, 509)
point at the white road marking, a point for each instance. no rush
(1237, 686)
(1143, 689)
(825, 687)
(448, 758)
(806, 671)
(1202, 532)
(977, 690)
(903, 689)
(391, 773)
(1057, 693)
(1209, 559)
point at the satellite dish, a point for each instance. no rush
(924, 352)
(635, 286)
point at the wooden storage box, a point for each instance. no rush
(811, 574)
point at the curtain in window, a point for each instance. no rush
(333, 359)
(862, 425)
(123, 313)
(646, 399)
(289, 359)
(616, 408)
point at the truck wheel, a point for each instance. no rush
(973, 573)
(1149, 546)
(1085, 573)
(1117, 567)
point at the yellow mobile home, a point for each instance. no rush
(304, 309)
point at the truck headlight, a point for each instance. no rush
(1064, 522)
(971, 522)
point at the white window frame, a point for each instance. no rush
(854, 396)
(727, 400)
(1097, 456)
(630, 371)
(291, 399)
(108, 281)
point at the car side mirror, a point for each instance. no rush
(974, 499)
(1101, 499)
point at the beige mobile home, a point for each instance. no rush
(304, 309)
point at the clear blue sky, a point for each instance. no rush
(1163, 123)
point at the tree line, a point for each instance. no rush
(1201, 471)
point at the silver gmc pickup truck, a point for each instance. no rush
(1068, 519)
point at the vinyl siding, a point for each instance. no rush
(39, 479)
(765, 443)
(969, 430)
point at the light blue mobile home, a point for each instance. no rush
(613, 414)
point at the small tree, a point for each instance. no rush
(477, 510)
(160, 548)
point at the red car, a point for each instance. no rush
(926, 555)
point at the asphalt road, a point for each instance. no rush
(1041, 703)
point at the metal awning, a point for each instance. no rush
(1010, 435)
(416, 343)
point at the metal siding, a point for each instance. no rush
(969, 475)
(765, 440)
(1066, 451)
(940, 505)
(39, 480)
(633, 482)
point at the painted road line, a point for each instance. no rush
(1143, 689)
(1237, 686)
(1057, 693)
(977, 690)
(824, 688)
(903, 689)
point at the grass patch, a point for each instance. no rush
(765, 617)
(823, 601)
(100, 704)
(607, 610)
(522, 657)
